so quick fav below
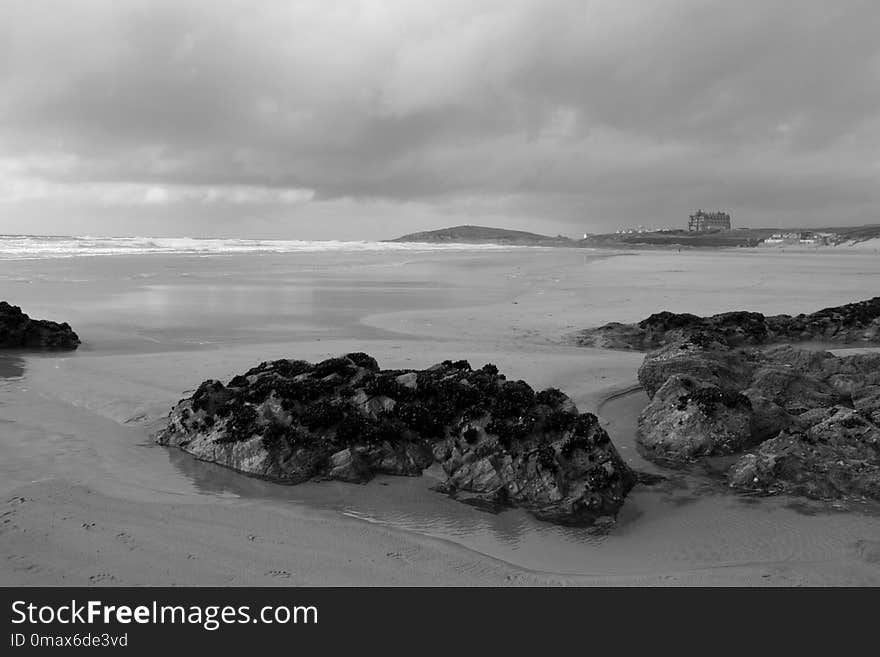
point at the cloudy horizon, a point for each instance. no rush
(344, 119)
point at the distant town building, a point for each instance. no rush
(702, 222)
(632, 231)
(803, 237)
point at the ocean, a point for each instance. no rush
(61, 246)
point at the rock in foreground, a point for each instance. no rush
(852, 323)
(809, 417)
(689, 418)
(18, 331)
(836, 457)
(497, 441)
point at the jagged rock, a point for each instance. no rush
(800, 380)
(794, 390)
(687, 419)
(497, 441)
(810, 417)
(839, 456)
(768, 417)
(848, 324)
(347, 465)
(861, 368)
(867, 402)
(18, 331)
(710, 364)
(616, 335)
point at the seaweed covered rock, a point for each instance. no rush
(18, 331)
(867, 402)
(497, 441)
(688, 419)
(837, 457)
(768, 417)
(710, 363)
(812, 415)
(792, 389)
(809, 417)
(800, 380)
(852, 323)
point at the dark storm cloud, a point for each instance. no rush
(564, 111)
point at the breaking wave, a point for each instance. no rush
(39, 246)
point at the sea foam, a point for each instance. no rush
(40, 246)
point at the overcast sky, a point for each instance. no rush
(365, 119)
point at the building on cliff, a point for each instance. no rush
(702, 222)
(802, 237)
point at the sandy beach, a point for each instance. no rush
(89, 499)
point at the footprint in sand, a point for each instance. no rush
(101, 577)
(405, 557)
(8, 522)
(283, 574)
(126, 539)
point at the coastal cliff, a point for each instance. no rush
(497, 442)
(18, 331)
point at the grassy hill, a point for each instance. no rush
(742, 237)
(484, 235)
(727, 238)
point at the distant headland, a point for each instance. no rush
(485, 235)
(858, 237)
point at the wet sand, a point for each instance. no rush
(88, 499)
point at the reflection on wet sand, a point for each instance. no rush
(11, 366)
(687, 521)
(405, 503)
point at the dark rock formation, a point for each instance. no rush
(708, 363)
(811, 416)
(867, 402)
(18, 331)
(687, 419)
(838, 456)
(768, 417)
(852, 323)
(497, 441)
